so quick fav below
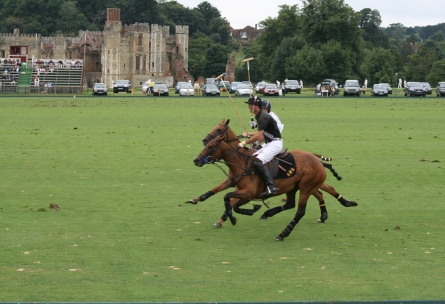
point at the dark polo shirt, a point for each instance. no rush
(269, 125)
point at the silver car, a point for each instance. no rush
(100, 89)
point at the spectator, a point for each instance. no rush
(49, 87)
(152, 84)
(36, 81)
(399, 86)
(60, 63)
(196, 88)
(301, 83)
(366, 84)
(51, 67)
(73, 63)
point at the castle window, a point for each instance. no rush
(144, 62)
(124, 65)
(138, 62)
(140, 40)
(108, 52)
(152, 64)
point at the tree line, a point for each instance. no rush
(320, 39)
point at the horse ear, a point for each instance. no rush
(227, 122)
(223, 121)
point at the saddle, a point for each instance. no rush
(282, 165)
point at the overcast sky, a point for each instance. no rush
(241, 13)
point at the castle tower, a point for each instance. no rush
(182, 42)
(158, 49)
(110, 58)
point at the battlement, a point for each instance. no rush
(19, 35)
(182, 29)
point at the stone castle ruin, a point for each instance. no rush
(136, 52)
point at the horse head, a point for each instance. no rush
(222, 129)
(212, 151)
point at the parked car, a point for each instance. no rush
(179, 85)
(260, 85)
(332, 84)
(352, 87)
(248, 83)
(145, 87)
(100, 89)
(160, 89)
(186, 90)
(292, 86)
(440, 89)
(243, 89)
(387, 86)
(211, 81)
(122, 86)
(379, 90)
(233, 86)
(271, 89)
(224, 85)
(427, 87)
(210, 89)
(414, 89)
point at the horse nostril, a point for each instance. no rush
(204, 142)
(196, 161)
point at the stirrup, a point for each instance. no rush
(269, 192)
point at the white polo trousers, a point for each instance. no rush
(269, 150)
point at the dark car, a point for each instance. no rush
(233, 86)
(224, 85)
(292, 86)
(414, 89)
(122, 86)
(440, 89)
(100, 89)
(210, 89)
(387, 86)
(379, 90)
(427, 87)
(178, 86)
(352, 87)
(160, 89)
(271, 89)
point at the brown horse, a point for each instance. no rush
(309, 176)
(232, 139)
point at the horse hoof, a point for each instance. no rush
(256, 207)
(217, 225)
(320, 221)
(323, 218)
(192, 201)
(233, 220)
(279, 238)
(353, 204)
(263, 218)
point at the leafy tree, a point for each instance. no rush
(70, 19)
(220, 31)
(276, 29)
(241, 67)
(325, 20)
(438, 36)
(370, 21)
(215, 60)
(307, 64)
(287, 48)
(377, 66)
(339, 61)
(437, 72)
(396, 30)
(421, 63)
(198, 44)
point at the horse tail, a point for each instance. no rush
(329, 166)
(322, 157)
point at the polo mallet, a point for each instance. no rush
(248, 71)
(233, 104)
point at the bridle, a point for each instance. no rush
(221, 132)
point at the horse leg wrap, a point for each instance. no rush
(244, 211)
(343, 201)
(206, 196)
(288, 229)
(322, 206)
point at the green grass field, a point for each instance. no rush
(120, 168)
